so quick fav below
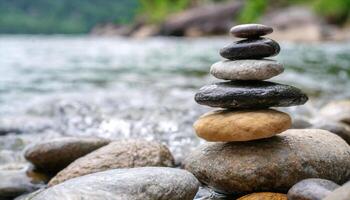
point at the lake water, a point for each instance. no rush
(128, 88)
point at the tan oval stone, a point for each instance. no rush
(264, 196)
(242, 125)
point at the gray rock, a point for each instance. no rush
(250, 49)
(311, 189)
(338, 111)
(118, 154)
(148, 183)
(340, 129)
(246, 69)
(54, 155)
(250, 30)
(300, 123)
(273, 164)
(249, 94)
(342, 193)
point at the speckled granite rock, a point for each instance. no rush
(250, 49)
(272, 164)
(264, 196)
(250, 30)
(246, 69)
(146, 183)
(241, 125)
(118, 154)
(311, 189)
(54, 155)
(249, 94)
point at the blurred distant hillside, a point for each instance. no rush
(82, 16)
(62, 16)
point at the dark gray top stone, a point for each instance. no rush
(250, 49)
(250, 30)
(250, 94)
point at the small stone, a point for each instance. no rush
(54, 155)
(264, 196)
(340, 129)
(250, 49)
(249, 94)
(146, 183)
(272, 164)
(342, 193)
(250, 30)
(338, 111)
(241, 125)
(311, 189)
(118, 154)
(246, 69)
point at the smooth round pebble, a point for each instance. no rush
(264, 196)
(250, 30)
(249, 94)
(250, 49)
(241, 125)
(246, 69)
(272, 164)
(342, 193)
(311, 189)
(118, 154)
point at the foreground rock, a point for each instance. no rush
(250, 49)
(311, 189)
(54, 155)
(342, 193)
(246, 69)
(273, 164)
(148, 183)
(250, 30)
(118, 154)
(264, 196)
(241, 125)
(338, 111)
(249, 94)
(14, 182)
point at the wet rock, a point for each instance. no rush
(246, 69)
(338, 111)
(264, 196)
(241, 125)
(250, 30)
(273, 164)
(311, 189)
(54, 155)
(342, 193)
(118, 154)
(249, 94)
(147, 183)
(15, 182)
(339, 129)
(250, 49)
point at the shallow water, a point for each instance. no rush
(128, 88)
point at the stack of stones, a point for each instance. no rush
(246, 98)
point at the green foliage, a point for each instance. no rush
(336, 11)
(157, 10)
(62, 16)
(252, 10)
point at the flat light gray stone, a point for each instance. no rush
(246, 69)
(342, 193)
(145, 183)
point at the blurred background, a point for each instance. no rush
(130, 68)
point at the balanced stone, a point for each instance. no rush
(264, 196)
(311, 189)
(250, 30)
(272, 164)
(249, 94)
(241, 125)
(246, 69)
(145, 183)
(118, 154)
(250, 49)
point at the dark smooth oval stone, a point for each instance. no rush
(249, 94)
(250, 49)
(250, 30)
